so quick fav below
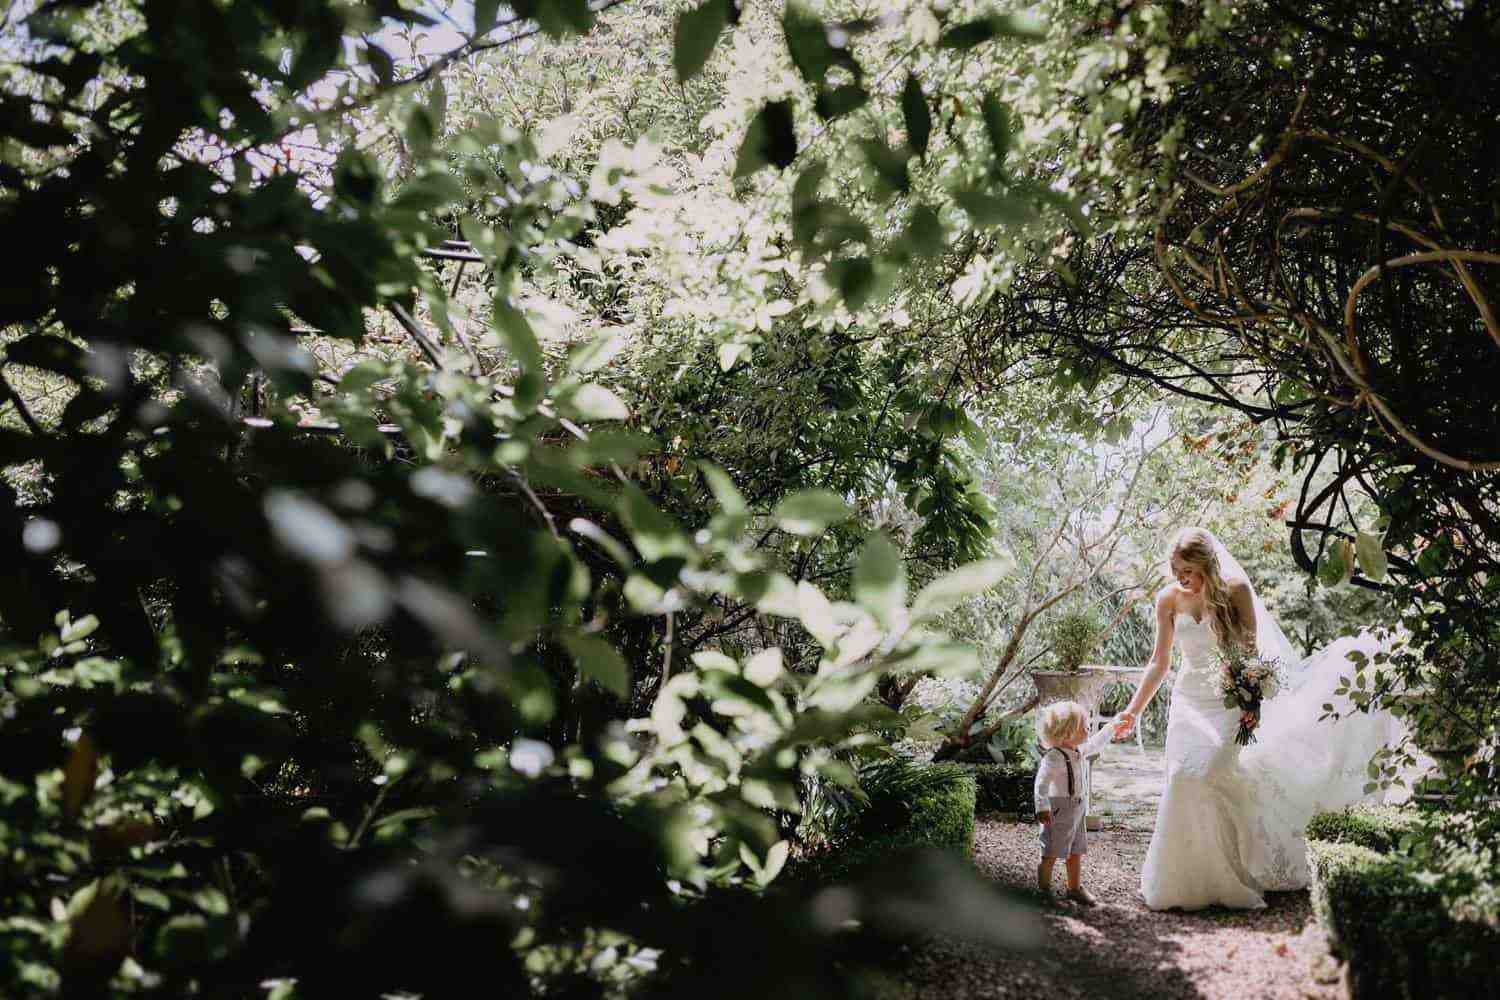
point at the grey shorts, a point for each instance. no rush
(1066, 834)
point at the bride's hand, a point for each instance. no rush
(1124, 725)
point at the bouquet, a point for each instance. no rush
(1246, 680)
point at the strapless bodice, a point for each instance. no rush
(1197, 642)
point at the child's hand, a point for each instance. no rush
(1044, 817)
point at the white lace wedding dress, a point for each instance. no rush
(1229, 825)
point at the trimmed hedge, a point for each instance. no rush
(1378, 827)
(1385, 917)
(940, 815)
(1004, 788)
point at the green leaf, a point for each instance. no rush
(924, 235)
(880, 579)
(655, 534)
(840, 101)
(977, 32)
(765, 667)
(557, 18)
(854, 277)
(917, 115)
(809, 512)
(601, 662)
(731, 501)
(597, 353)
(486, 13)
(889, 166)
(1372, 560)
(381, 63)
(816, 615)
(997, 124)
(588, 529)
(949, 590)
(1331, 568)
(770, 140)
(731, 354)
(515, 329)
(437, 103)
(807, 41)
(81, 629)
(993, 210)
(594, 402)
(698, 31)
(715, 659)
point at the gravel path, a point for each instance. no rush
(1120, 948)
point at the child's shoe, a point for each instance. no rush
(1081, 897)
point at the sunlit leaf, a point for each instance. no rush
(880, 579)
(729, 498)
(594, 402)
(956, 586)
(809, 512)
(1372, 558)
(816, 614)
(765, 667)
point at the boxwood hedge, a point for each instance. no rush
(1003, 788)
(1377, 827)
(1385, 915)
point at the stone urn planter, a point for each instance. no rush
(1085, 685)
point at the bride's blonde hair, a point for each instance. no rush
(1197, 548)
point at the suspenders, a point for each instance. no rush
(1066, 763)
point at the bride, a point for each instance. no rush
(1229, 825)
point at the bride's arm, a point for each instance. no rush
(1159, 664)
(1243, 599)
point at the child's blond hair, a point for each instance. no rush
(1058, 719)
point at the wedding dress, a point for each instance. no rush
(1230, 822)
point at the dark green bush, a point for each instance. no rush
(1003, 788)
(911, 806)
(1377, 827)
(1386, 918)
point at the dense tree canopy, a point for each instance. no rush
(471, 476)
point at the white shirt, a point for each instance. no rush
(1052, 773)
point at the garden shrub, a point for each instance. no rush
(1377, 827)
(911, 806)
(1387, 918)
(1003, 788)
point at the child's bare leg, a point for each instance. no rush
(1075, 881)
(1044, 874)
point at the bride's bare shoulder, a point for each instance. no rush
(1168, 598)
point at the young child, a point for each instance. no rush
(1061, 781)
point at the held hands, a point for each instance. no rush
(1124, 725)
(1044, 817)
